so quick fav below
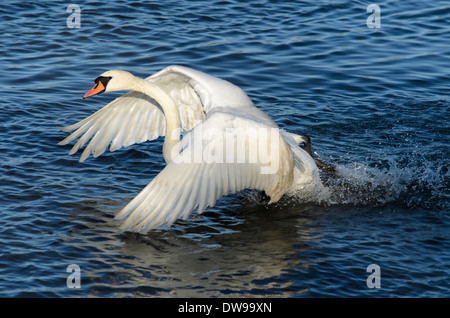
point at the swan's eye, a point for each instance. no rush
(103, 79)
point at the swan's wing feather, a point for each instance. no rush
(180, 88)
(129, 119)
(179, 189)
(207, 92)
(196, 179)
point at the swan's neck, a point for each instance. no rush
(173, 124)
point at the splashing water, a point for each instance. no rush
(410, 182)
(414, 181)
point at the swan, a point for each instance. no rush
(229, 144)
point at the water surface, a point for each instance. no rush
(374, 101)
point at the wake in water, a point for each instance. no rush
(415, 181)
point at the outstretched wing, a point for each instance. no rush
(217, 159)
(129, 119)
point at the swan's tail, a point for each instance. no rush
(298, 138)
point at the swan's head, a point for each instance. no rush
(110, 81)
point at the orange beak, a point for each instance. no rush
(97, 89)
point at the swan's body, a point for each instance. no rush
(230, 145)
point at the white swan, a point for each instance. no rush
(231, 145)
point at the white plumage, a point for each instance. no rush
(230, 145)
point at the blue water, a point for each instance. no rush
(374, 101)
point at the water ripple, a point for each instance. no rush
(374, 102)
